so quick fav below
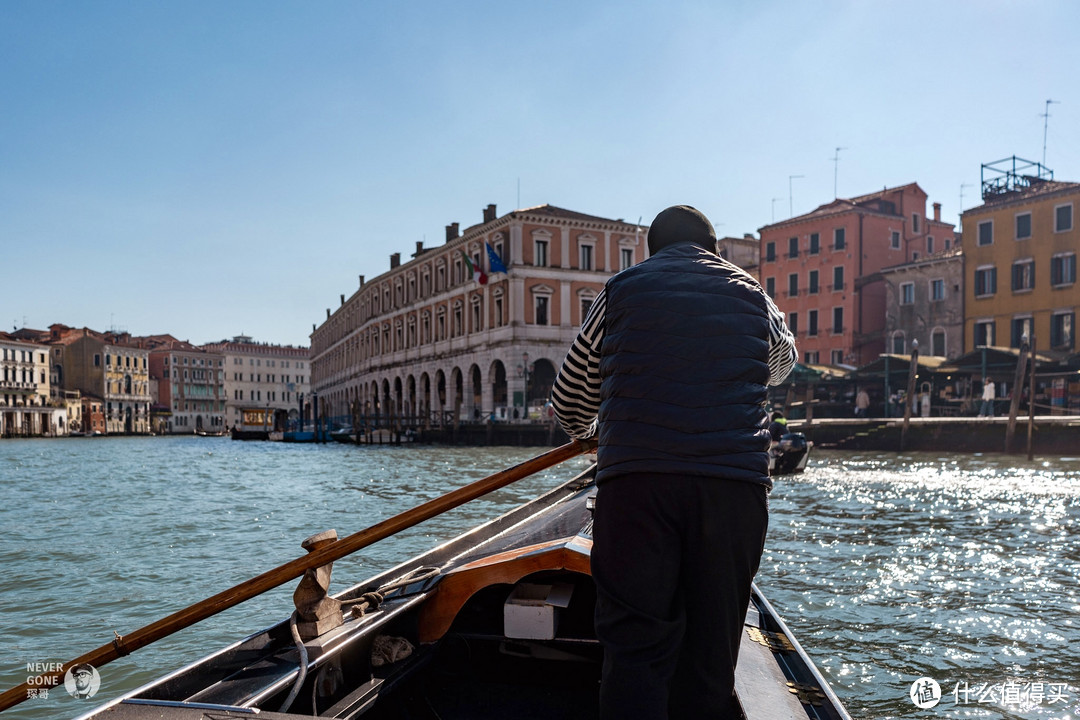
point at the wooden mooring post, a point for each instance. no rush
(1031, 401)
(1017, 387)
(913, 371)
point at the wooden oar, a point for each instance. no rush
(126, 644)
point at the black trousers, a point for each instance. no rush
(673, 558)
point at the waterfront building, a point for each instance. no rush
(924, 301)
(72, 403)
(743, 251)
(25, 390)
(264, 384)
(1020, 252)
(822, 268)
(475, 328)
(190, 386)
(93, 416)
(108, 367)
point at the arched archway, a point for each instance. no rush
(372, 406)
(541, 378)
(475, 394)
(386, 405)
(457, 392)
(440, 395)
(499, 389)
(410, 398)
(425, 399)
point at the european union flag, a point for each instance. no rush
(494, 261)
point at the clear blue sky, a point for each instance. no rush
(214, 168)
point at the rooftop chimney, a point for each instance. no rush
(489, 213)
(451, 232)
(937, 212)
(395, 260)
(419, 248)
(342, 298)
(327, 313)
(361, 281)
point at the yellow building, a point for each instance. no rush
(1020, 250)
(109, 367)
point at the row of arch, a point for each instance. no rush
(442, 395)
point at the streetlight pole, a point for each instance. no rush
(523, 372)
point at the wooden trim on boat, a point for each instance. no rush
(457, 586)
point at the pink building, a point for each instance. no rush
(822, 269)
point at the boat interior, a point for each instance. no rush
(497, 623)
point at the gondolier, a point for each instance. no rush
(670, 370)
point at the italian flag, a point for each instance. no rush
(475, 270)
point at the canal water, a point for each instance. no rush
(889, 569)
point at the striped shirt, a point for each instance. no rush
(575, 396)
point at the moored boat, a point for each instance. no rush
(494, 623)
(211, 433)
(343, 435)
(790, 454)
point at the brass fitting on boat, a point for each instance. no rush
(317, 611)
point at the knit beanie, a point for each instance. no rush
(680, 224)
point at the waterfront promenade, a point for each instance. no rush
(1057, 435)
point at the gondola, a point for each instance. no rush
(495, 623)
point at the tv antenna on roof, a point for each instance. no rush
(791, 203)
(836, 165)
(1046, 122)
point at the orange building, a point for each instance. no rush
(1020, 260)
(822, 268)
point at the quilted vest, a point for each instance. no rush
(685, 369)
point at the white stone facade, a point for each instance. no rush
(262, 381)
(427, 343)
(25, 390)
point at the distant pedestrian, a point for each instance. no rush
(987, 409)
(862, 404)
(778, 426)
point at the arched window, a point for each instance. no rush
(898, 343)
(937, 342)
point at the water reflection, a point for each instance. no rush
(887, 567)
(963, 569)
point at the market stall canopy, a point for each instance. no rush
(994, 360)
(898, 364)
(801, 374)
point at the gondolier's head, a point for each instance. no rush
(681, 224)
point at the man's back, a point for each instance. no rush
(670, 367)
(684, 367)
